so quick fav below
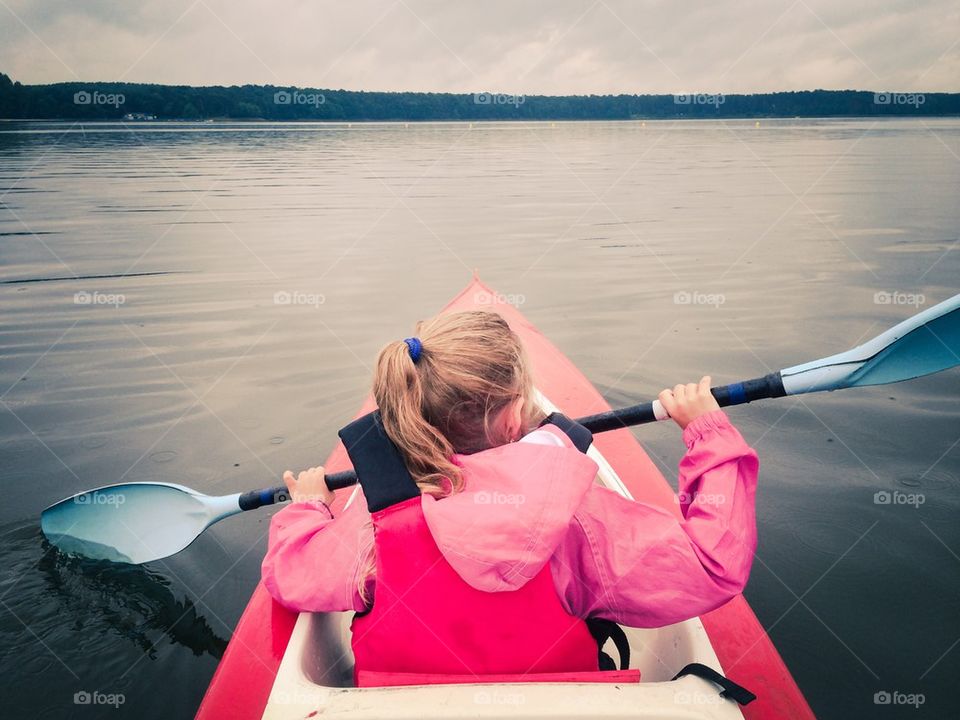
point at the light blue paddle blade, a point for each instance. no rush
(926, 343)
(133, 522)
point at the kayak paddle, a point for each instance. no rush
(921, 345)
(140, 522)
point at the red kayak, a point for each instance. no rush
(283, 665)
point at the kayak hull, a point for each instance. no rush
(732, 634)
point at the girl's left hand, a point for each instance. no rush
(309, 486)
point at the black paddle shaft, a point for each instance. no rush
(768, 386)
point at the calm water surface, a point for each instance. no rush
(649, 253)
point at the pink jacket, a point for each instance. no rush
(535, 502)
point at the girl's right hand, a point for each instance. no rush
(685, 403)
(309, 486)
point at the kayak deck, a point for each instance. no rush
(281, 665)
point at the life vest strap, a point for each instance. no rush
(578, 434)
(603, 630)
(377, 461)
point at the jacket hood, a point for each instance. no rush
(516, 506)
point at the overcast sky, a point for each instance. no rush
(515, 46)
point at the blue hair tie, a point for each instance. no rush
(415, 347)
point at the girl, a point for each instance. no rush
(500, 544)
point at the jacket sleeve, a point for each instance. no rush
(314, 561)
(641, 566)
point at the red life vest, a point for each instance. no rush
(427, 625)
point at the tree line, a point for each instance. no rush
(114, 101)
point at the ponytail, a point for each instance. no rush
(399, 392)
(441, 393)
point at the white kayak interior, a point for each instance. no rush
(315, 677)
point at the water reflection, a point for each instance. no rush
(101, 598)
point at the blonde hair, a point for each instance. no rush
(471, 367)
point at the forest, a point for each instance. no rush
(138, 101)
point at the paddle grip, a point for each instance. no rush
(267, 496)
(338, 480)
(768, 386)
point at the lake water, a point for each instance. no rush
(650, 253)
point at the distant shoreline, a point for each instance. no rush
(139, 102)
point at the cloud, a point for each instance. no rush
(519, 46)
